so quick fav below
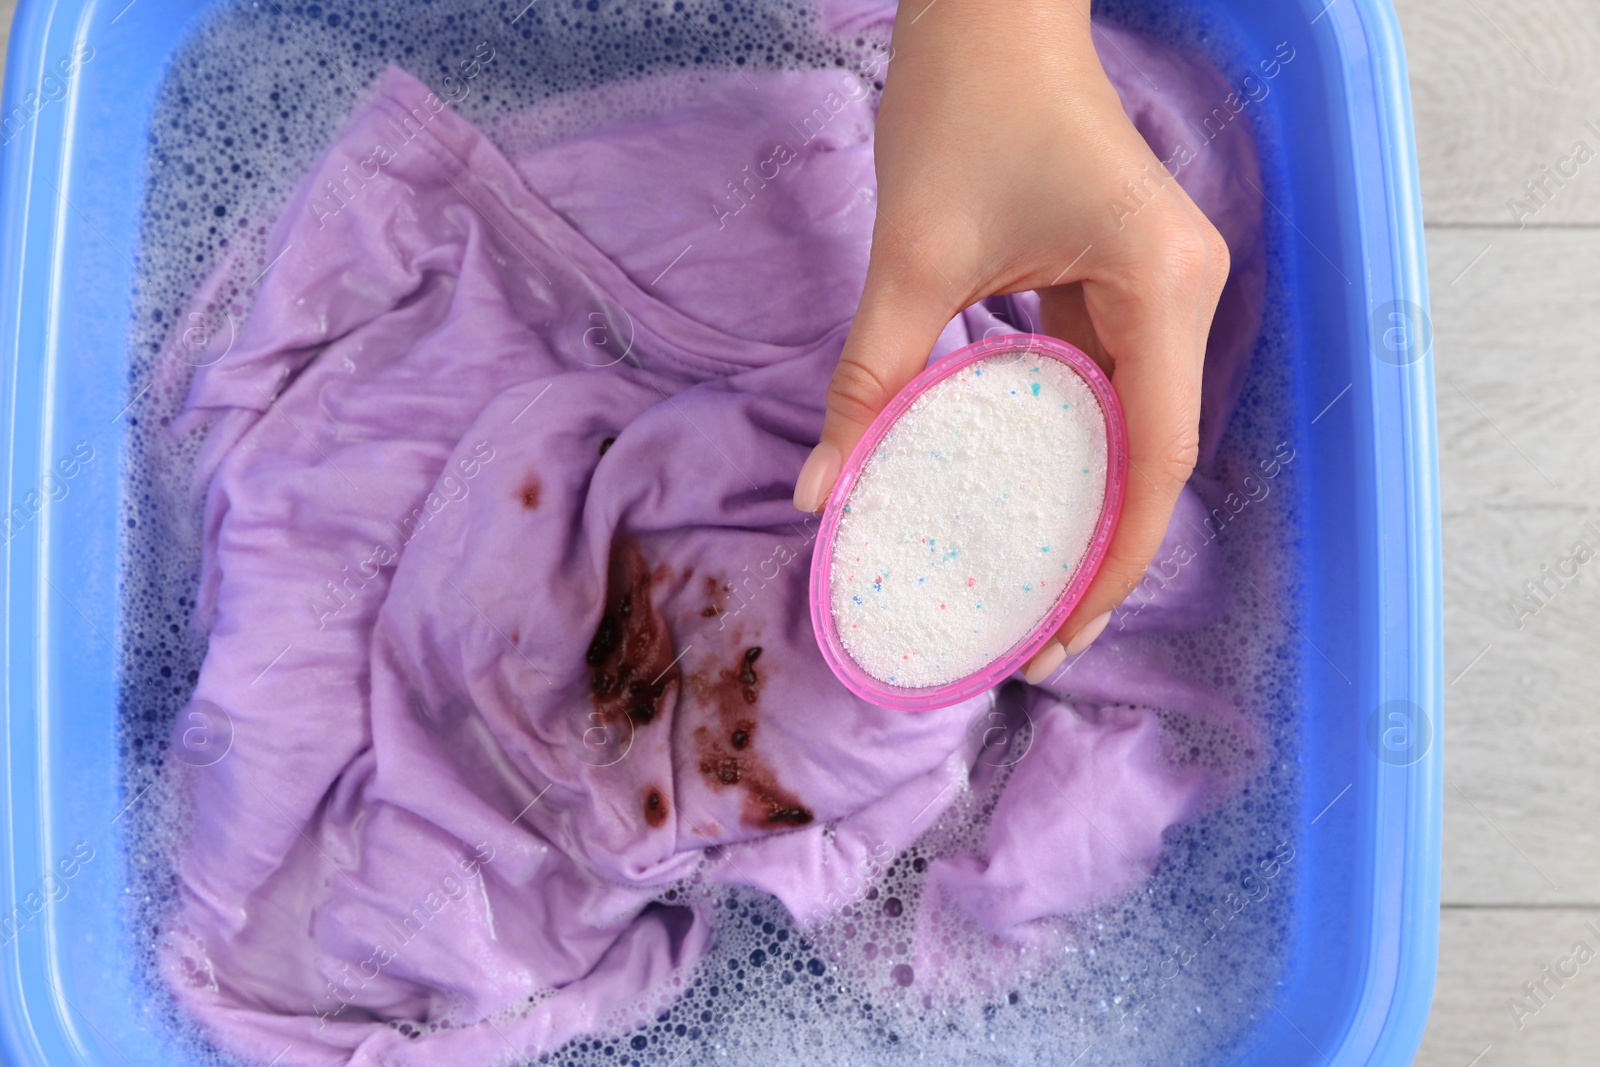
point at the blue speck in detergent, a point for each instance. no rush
(1035, 388)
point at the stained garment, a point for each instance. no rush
(507, 600)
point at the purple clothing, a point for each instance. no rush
(507, 599)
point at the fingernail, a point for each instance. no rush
(1044, 664)
(817, 475)
(1085, 637)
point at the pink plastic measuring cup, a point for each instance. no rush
(926, 698)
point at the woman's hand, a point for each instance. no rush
(1004, 163)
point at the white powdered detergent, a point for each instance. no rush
(969, 519)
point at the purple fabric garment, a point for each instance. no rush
(507, 601)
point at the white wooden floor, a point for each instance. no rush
(1502, 89)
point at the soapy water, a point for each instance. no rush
(1172, 973)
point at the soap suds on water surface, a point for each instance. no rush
(969, 520)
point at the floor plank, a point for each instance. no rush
(8, 8)
(1501, 89)
(1516, 385)
(1487, 955)
(1514, 339)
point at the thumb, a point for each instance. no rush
(895, 328)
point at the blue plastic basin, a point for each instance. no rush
(1343, 186)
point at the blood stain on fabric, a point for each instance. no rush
(655, 807)
(531, 491)
(748, 682)
(630, 657)
(726, 758)
(715, 592)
